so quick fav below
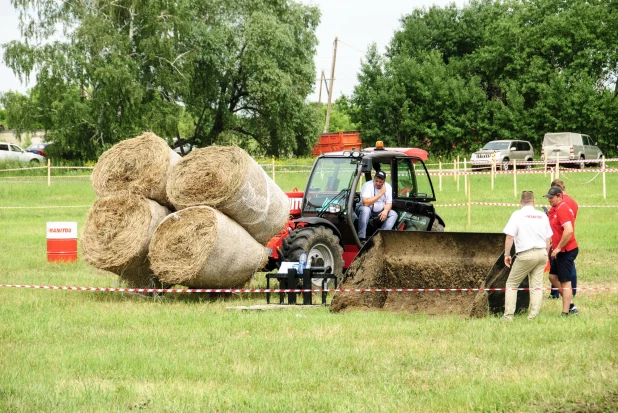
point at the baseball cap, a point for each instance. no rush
(553, 191)
(381, 175)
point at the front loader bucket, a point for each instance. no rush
(409, 259)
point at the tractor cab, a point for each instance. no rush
(333, 192)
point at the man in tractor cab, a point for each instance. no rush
(376, 202)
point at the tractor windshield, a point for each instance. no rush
(329, 183)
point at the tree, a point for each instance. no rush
(240, 69)
(21, 113)
(340, 119)
(418, 102)
(455, 78)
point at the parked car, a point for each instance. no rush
(503, 153)
(13, 153)
(39, 148)
(569, 146)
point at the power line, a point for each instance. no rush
(352, 47)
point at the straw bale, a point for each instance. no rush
(139, 165)
(117, 234)
(229, 179)
(202, 248)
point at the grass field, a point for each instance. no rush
(98, 352)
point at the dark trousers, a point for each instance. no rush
(556, 294)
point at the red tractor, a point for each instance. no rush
(323, 222)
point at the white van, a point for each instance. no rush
(569, 146)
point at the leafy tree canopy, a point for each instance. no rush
(205, 71)
(454, 78)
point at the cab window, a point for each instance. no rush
(406, 185)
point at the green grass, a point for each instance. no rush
(94, 351)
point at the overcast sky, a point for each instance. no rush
(357, 23)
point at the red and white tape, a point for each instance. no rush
(514, 205)
(280, 290)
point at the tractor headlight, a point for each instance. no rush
(334, 208)
(356, 154)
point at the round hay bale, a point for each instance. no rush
(202, 248)
(139, 165)
(117, 234)
(229, 179)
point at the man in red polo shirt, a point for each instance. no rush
(564, 246)
(574, 207)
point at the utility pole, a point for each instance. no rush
(330, 90)
(322, 80)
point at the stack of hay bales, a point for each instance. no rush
(117, 235)
(228, 179)
(228, 209)
(130, 181)
(200, 221)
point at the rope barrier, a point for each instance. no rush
(25, 169)
(523, 172)
(498, 204)
(580, 183)
(299, 290)
(45, 207)
(514, 205)
(446, 162)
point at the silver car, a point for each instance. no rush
(569, 146)
(503, 153)
(13, 153)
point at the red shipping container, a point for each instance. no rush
(337, 141)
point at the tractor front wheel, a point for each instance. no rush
(320, 244)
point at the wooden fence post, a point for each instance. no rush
(457, 172)
(545, 173)
(557, 167)
(440, 173)
(465, 176)
(48, 172)
(493, 173)
(604, 187)
(515, 178)
(469, 205)
(454, 170)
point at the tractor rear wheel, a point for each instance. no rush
(320, 244)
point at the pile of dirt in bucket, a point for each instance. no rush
(397, 259)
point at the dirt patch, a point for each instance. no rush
(394, 259)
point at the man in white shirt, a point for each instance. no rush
(376, 201)
(530, 230)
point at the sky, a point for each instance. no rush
(357, 24)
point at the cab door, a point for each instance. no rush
(412, 195)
